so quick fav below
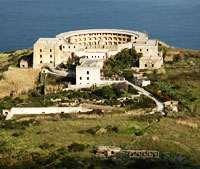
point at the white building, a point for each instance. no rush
(96, 44)
(88, 73)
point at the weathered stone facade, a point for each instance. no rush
(24, 64)
(95, 44)
(89, 72)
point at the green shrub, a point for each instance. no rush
(17, 134)
(18, 125)
(76, 147)
(110, 128)
(62, 150)
(132, 90)
(93, 130)
(46, 146)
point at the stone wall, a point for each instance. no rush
(41, 110)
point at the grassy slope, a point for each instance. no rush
(15, 81)
(181, 80)
(12, 58)
(166, 135)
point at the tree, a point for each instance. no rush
(125, 59)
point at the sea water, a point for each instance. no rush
(22, 22)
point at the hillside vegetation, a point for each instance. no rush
(12, 58)
(16, 81)
(60, 141)
(181, 80)
(118, 64)
(70, 141)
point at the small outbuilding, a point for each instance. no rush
(107, 151)
(141, 80)
(24, 64)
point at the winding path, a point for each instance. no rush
(159, 103)
(58, 72)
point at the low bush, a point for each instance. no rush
(17, 134)
(7, 125)
(76, 147)
(46, 146)
(62, 150)
(110, 128)
(93, 130)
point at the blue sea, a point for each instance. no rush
(22, 22)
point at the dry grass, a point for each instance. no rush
(18, 81)
(187, 123)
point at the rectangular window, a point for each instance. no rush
(40, 61)
(50, 50)
(152, 65)
(40, 56)
(88, 72)
(40, 50)
(140, 50)
(80, 78)
(51, 62)
(50, 56)
(87, 78)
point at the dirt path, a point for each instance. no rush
(160, 105)
(101, 107)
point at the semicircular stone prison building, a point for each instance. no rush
(96, 44)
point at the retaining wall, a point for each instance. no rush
(41, 110)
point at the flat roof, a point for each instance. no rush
(91, 63)
(47, 41)
(151, 42)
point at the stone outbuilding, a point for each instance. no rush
(107, 151)
(24, 63)
(172, 105)
(140, 80)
